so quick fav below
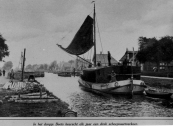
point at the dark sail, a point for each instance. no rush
(83, 40)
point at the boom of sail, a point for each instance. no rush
(83, 40)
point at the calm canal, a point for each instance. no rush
(88, 104)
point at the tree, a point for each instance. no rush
(148, 48)
(3, 48)
(35, 67)
(155, 51)
(29, 67)
(45, 66)
(53, 65)
(166, 47)
(71, 61)
(41, 67)
(8, 65)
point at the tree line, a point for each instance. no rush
(53, 66)
(155, 50)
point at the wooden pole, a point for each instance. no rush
(23, 64)
(133, 57)
(94, 37)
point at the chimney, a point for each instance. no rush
(126, 49)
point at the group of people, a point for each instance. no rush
(2, 72)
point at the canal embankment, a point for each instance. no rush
(160, 82)
(12, 109)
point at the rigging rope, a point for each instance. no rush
(66, 35)
(90, 55)
(99, 34)
(71, 56)
(100, 40)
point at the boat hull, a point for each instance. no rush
(110, 88)
(64, 74)
(138, 87)
(162, 95)
(118, 87)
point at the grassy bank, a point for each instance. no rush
(158, 82)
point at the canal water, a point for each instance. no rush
(88, 104)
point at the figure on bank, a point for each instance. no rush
(109, 59)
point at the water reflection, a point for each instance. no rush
(89, 104)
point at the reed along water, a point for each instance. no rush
(89, 104)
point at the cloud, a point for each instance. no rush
(66, 22)
(156, 21)
(160, 14)
(16, 32)
(27, 19)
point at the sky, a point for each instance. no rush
(38, 25)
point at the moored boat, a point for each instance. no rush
(124, 87)
(64, 74)
(113, 79)
(158, 94)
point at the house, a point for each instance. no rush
(100, 58)
(148, 66)
(103, 59)
(130, 56)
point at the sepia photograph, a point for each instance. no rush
(86, 62)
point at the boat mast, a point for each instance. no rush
(21, 60)
(23, 64)
(94, 37)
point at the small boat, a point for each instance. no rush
(70, 114)
(77, 73)
(158, 94)
(64, 74)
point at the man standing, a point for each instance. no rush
(12, 74)
(3, 72)
(109, 58)
(74, 72)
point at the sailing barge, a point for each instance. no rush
(114, 79)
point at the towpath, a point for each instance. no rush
(158, 77)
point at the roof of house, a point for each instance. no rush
(103, 58)
(130, 55)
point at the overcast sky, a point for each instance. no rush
(38, 25)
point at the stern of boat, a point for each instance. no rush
(138, 86)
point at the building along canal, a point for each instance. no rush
(88, 104)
